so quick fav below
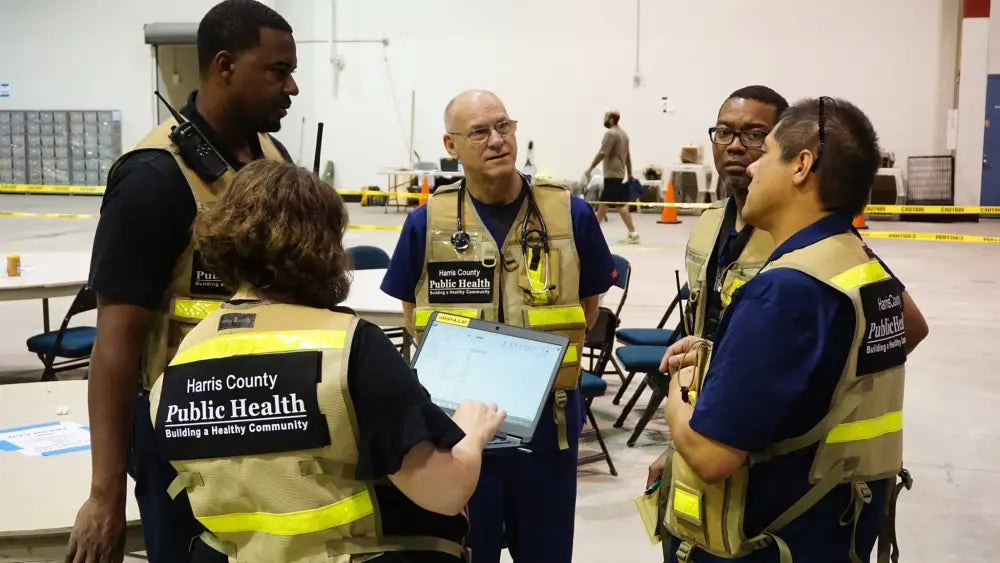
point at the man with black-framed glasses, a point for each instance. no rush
(723, 253)
(500, 247)
(788, 443)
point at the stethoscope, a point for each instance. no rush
(539, 237)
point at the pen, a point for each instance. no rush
(653, 487)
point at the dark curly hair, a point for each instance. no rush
(280, 229)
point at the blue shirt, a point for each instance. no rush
(597, 271)
(780, 351)
(597, 275)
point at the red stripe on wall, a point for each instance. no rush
(976, 9)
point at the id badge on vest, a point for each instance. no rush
(459, 276)
(241, 405)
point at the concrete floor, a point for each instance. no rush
(952, 443)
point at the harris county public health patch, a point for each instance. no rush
(884, 343)
(243, 405)
(459, 282)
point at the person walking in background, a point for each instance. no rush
(617, 159)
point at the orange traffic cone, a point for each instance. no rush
(669, 214)
(425, 191)
(859, 222)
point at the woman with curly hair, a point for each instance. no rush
(297, 430)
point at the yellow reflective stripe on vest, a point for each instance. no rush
(866, 429)
(556, 316)
(727, 297)
(247, 343)
(869, 272)
(421, 317)
(339, 513)
(572, 356)
(687, 503)
(195, 308)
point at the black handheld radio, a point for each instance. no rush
(194, 148)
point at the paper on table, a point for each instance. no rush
(48, 438)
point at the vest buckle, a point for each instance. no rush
(684, 552)
(904, 475)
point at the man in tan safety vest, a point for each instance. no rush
(723, 252)
(496, 247)
(151, 285)
(788, 430)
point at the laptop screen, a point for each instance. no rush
(457, 363)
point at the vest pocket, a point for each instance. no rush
(568, 320)
(538, 280)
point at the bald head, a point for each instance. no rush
(471, 122)
(464, 106)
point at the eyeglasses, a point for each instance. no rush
(725, 136)
(822, 134)
(480, 135)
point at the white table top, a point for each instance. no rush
(45, 274)
(370, 303)
(41, 495)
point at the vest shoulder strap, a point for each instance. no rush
(827, 259)
(759, 248)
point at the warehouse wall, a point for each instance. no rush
(557, 63)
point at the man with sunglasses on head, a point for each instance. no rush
(788, 436)
(527, 255)
(723, 252)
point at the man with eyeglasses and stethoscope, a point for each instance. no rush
(494, 246)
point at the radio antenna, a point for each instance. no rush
(180, 118)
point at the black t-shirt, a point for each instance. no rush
(145, 225)
(146, 218)
(378, 376)
(394, 413)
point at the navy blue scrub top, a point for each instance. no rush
(597, 271)
(780, 351)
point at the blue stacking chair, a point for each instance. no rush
(366, 257)
(600, 341)
(592, 385)
(658, 337)
(646, 359)
(68, 347)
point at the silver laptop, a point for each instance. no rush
(461, 358)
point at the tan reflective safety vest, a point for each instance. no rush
(859, 440)
(255, 414)
(699, 254)
(538, 292)
(193, 291)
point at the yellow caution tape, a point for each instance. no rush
(940, 237)
(877, 209)
(50, 189)
(935, 209)
(47, 215)
(375, 227)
